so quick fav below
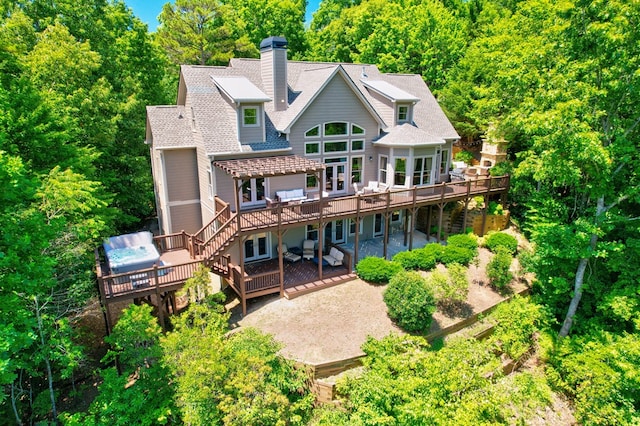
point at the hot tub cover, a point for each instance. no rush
(131, 252)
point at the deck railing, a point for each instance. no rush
(207, 231)
(157, 279)
(170, 242)
(356, 205)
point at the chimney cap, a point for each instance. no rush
(273, 42)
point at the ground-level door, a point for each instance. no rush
(334, 177)
(256, 247)
(336, 231)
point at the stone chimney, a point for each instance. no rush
(273, 65)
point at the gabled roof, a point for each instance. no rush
(408, 135)
(170, 127)
(240, 89)
(314, 80)
(389, 91)
(211, 93)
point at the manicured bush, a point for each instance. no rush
(498, 269)
(501, 239)
(410, 301)
(433, 250)
(377, 270)
(468, 241)
(408, 259)
(454, 254)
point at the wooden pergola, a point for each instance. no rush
(251, 168)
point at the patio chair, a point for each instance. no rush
(289, 256)
(372, 186)
(335, 257)
(308, 249)
(357, 191)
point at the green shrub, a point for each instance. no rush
(408, 259)
(465, 156)
(376, 269)
(410, 301)
(451, 287)
(502, 168)
(516, 322)
(454, 254)
(495, 208)
(428, 256)
(501, 239)
(468, 241)
(498, 269)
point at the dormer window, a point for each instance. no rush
(403, 113)
(312, 133)
(250, 116)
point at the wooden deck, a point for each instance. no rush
(351, 206)
(182, 253)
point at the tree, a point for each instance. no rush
(563, 88)
(202, 32)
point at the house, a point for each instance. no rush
(270, 153)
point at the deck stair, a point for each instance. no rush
(214, 238)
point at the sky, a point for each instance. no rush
(148, 10)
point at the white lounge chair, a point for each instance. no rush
(308, 249)
(335, 257)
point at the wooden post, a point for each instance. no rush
(159, 298)
(385, 239)
(243, 294)
(464, 215)
(280, 263)
(357, 241)
(320, 240)
(441, 207)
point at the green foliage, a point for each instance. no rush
(410, 301)
(455, 254)
(502, 168)
(498, 269)
(141, 394)
(409, 259)
(516, 323)
(468, 241)
(497, 240)
(495, 208)
(451, 288)
(600, 372)
(376, 269)
(134, 340)
(238, 379)
(465, 156)
(429, 255)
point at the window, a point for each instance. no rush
(400, 171)
(444, 161)
(250, 117)
(396, 216)
(313, 133)
(357, 145)
(312, 232)
(356, 169)
(382, 169)
(312, 182)
(356, 130)
(256, 247)
(352, 227)
(311, 148)
(335, 146)
(403, 113)
(335, 129)
(210, 183)
(422, 171)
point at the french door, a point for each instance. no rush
(336, 231)
(334, 176)
(252, 192)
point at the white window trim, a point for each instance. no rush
(361, 157)
(357, 140)
(360, 225)
(380, 157)
(210, 183)
(316, 136)
(257, 109)
(348, 128)
(346, 142)
(319, 143)
(383, 223)
(431, 175)
(406, 162)
(408, 117)
(357, 135)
